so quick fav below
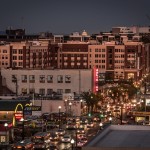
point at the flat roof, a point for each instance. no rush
(122, 137)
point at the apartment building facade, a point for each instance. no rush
(116, 62)
(73, 55)
(4, 56)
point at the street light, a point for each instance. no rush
(121, 116)
(6, 125)
(70, 107)
(72, 143)
(22, 120)
(66, 106)
(81, 105)
(101, 125)
(59, 115)
(110, 119)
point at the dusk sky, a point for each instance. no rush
(67, 16)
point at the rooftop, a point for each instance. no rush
(126, 137)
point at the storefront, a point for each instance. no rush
(142, 117)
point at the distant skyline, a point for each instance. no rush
(67, 16)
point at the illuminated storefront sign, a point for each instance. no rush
(18, 116)
(95, 80)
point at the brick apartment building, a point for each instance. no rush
(117, 55)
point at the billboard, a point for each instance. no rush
(68, 96)
(147, 102)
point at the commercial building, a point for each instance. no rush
(47, 82)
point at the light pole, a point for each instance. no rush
(66, 106)
(101, 125)
(22, 120)
(110, 120)
(81, 105)
(121, 116)
(70, 107)
(6, 125)
(76, 135)
(59, 107)
(72, 143)
(41, 103)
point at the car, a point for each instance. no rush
(51, 125)
(71, 126)
(24, 145)
(66, 138)
(53, 147)
(80, 143)
(84, 139)
(80, 131)
(54, 137)
(60, 132)
(91, 124)
(80, 136)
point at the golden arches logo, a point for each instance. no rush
(18, 105)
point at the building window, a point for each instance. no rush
(49, 91)
(20, 64)
(67, 90)
(20, 51)
(4, 51)
(59, 91)
(14, 64)
(31, 90)
(14, 51)
(60, 79)
(24, 90)
(20, 57)
(14, 57)
(50, 78)
(14, 78)
(31, 78)
(42, 91)
(130, 75)
(42, 78)
(24, 78)
(67, 79)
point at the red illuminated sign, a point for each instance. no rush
(18, 116)
(95, 80)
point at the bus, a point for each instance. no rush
(41, 140)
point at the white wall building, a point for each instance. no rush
(47, 81)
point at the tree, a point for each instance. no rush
(92, 100)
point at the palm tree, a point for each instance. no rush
(92, 100)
